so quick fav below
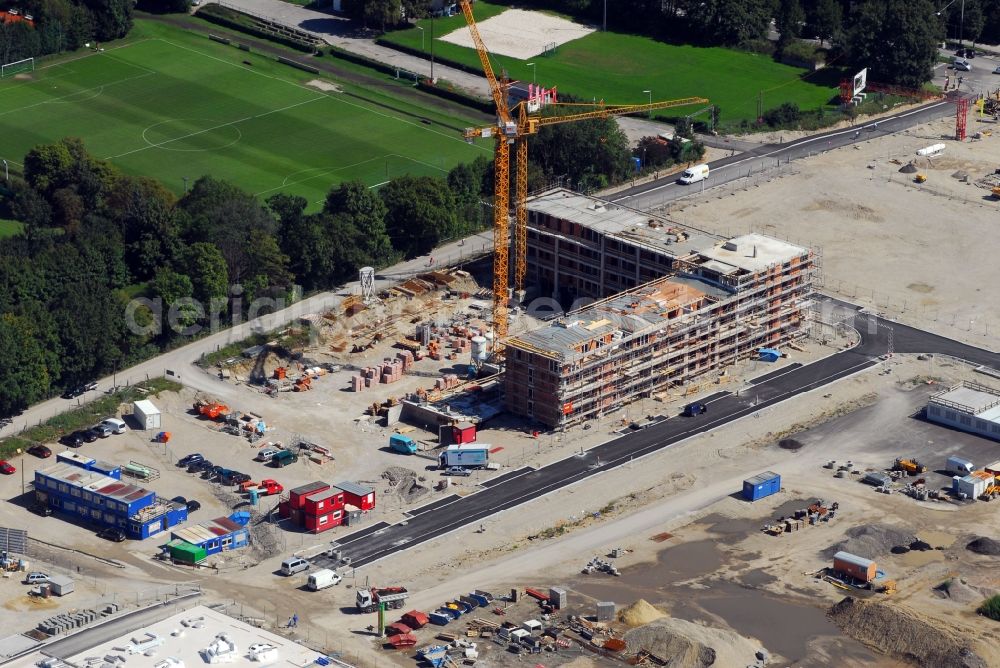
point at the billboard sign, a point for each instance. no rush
(860, 81)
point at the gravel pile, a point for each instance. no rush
(396, 474)
(984, 545)
(639, 613)
(872, 540)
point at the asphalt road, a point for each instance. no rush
(452, 513)
(771, 156)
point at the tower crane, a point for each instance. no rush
(513, 128)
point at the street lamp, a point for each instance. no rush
(533, 70)
(650, 94)
(421, 38)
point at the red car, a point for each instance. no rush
(6, 467)
(39, 450)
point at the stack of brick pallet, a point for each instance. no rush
(357, 383)
(446, 382)
(391, 370)
(407, 359)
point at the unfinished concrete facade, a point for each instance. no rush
(714, 306)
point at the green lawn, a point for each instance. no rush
(173, 105)
(9, 228)
(617, 68)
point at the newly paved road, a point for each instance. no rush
(771, 156)
(519, 487)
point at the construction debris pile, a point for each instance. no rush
(297, 378)
(813, 514)
(404, 483)
(236, 423)
(599, 565)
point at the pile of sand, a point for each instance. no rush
(639, 613)
(960, 591)
(872, 540)
(685, 644)
(903, 634)
(984, 545)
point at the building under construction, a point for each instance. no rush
(711, 302)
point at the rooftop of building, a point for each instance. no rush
(354, 488)
(624, 314)
(751, 252)
(621, 221)
(973, 398)
(199, 533)
(184, 636)
(96, 483)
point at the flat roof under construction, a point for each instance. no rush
(641, 308)
(98, 483)
(617, 220)
(750, 252)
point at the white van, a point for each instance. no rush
(115, 425)
(323, 578)
(694, 174)
(294, 565)
(267, 454)
(959, 466)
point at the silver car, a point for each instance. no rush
(36, 577)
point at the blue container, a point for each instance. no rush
(759, 486)
(481, 600)
(439, 618)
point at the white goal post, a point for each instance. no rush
(26, 65)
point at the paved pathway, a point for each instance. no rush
(337, 31)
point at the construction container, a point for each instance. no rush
(297, 496)
(60, 585)
(877, 479)
(463, 432)
(557, 597)
(186, 553)
(972, 485)
(146, 414)
(606, 611)
(854, 566)
(761, 485)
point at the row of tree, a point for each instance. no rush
(95, 239)
(63, 25)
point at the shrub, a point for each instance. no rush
(991, 608)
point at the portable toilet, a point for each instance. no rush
(254, 496)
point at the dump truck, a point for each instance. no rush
(402, 444)
(911, 466)
(269, 487)
(368, 600)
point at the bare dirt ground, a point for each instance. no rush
(910, 250)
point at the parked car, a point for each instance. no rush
(6, 467)
(102, 430)
(235, 477)
(115, 425)
(457, 471)
(40, 509)
(193, 505)
(78, 390)
(266, 454)
(91, 435)
(36, 577)
(39, 450)
(294, 565)
(74, 440)
(113, 534)
(188, 460)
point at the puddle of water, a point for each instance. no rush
(757, 578)
(729, 526)
(936, 538)
(915, 558)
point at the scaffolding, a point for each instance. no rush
(656, 337)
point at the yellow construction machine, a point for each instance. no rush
(911, 466)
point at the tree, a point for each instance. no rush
(204, 264)
(590, 154)
(732, 21)
(112, 18)
(826, 19)
(24, 377)
(788, 21)
(897, 39)
(382, 12)
(143, 210)
(420, 212)
(367, 212)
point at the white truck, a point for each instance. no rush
(694, 174)
(959, 466)
(323, 578)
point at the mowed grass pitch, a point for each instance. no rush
(617, 68)
(178, 108)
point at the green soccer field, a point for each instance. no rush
(175, 106)
(618, 68)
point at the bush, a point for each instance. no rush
(991, 608)
(782, 116)
(804, 51)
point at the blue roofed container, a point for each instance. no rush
(761, 485)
